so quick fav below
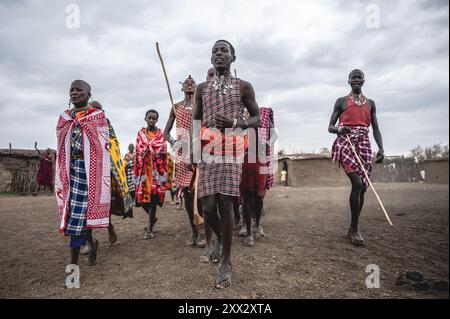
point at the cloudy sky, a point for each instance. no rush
(297, 55)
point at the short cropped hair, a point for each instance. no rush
(152, 111)
(355, 70)
(231, 46)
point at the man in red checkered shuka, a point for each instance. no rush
(355, 113)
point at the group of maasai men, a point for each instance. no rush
(223, 158)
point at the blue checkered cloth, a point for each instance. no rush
(76, 142)
(76, 221)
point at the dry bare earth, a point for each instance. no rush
(303, 256)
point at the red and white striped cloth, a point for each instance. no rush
(183, 175)
(266, 114)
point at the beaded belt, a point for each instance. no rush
(77, 156)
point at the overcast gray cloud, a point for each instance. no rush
(297, 55)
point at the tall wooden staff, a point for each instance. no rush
(368, 179)
(198, 220)
(167, 79)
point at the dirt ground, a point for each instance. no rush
(304, 254)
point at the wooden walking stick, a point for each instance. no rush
(198, 220)
(167, 79)
(368, 179)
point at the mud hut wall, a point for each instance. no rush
(312, 172)
(396, 171)
(5, 179)
(436, 171)
(18, 173)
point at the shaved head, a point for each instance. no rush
(356, 71)
(83, 84)
(79, 93)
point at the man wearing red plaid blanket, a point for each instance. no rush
(257, 177)
(183, 175)
(217, 121)
(355, 113)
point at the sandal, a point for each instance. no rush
(259, 232)
(205, 256)
(85, 249)
(216, 253)
(112, 235)
(201, 241)
(191, 241)
(248, 241)
(93, 253)
(223, 280)
(243, 231)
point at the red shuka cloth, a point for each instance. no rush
(355, 115)
(45, 172)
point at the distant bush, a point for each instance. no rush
(421, 154)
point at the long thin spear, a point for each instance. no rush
(370, 183)
(165, 76)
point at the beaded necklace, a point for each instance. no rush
(223, 84)
(361, 99)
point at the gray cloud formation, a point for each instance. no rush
(297, 55)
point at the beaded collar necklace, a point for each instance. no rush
(188, 106)
(223, 84)
(361, 99)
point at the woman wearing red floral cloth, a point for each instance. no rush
(150, 169)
